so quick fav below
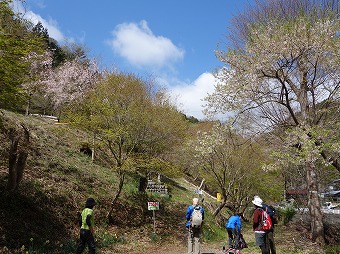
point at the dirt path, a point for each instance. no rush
(171, 248)
(291, 238)
(183, 250)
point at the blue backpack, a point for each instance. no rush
(272, 213)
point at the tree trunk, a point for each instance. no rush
(17, 158)
(120, 187)
(12, 172)
(94, 146)
(28, 107)
(21, 164)
(219, 208)
(317, 227)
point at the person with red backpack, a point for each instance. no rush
(270, 235)
(261, 225)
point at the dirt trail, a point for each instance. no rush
(175, 248)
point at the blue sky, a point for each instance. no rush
(170, 40)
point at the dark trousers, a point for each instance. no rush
(86, 238)
(262, 242)
(271, 243)
(234, 237)
(264, 249)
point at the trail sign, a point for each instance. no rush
(153, 206)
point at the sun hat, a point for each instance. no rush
(257, 201)
(90, 202)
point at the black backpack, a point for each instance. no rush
(242, 243)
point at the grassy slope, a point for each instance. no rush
(57, 181)
(42, 214)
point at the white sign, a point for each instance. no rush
(153, 205)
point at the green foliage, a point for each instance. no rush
(286, 214)
(192, 119)
(16, 42)
(127, 121)
(212, 233)
(232, 165)
(51, 195)
(332, 249)
(106, 239)
(66, 247)
(155, 237)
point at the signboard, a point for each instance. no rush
(153, 206)
(219, 197)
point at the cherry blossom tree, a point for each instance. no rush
(39, 71)
(69, 82)
(282, 70)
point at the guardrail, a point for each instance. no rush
(324, 210)
(54, 118)
(331, 211)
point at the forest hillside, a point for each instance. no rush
(40, 216)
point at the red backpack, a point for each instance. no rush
(266, 223)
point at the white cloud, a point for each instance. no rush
(51, 25)
(191, 96)
(140, 47)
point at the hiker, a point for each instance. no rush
(260, 234)
(270, 234)
(195, 218)
(86, 222)
(233, 227)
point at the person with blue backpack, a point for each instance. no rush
(233, 227)
(195, 218)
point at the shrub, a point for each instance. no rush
(286, 214)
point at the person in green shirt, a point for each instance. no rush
(86, 222)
